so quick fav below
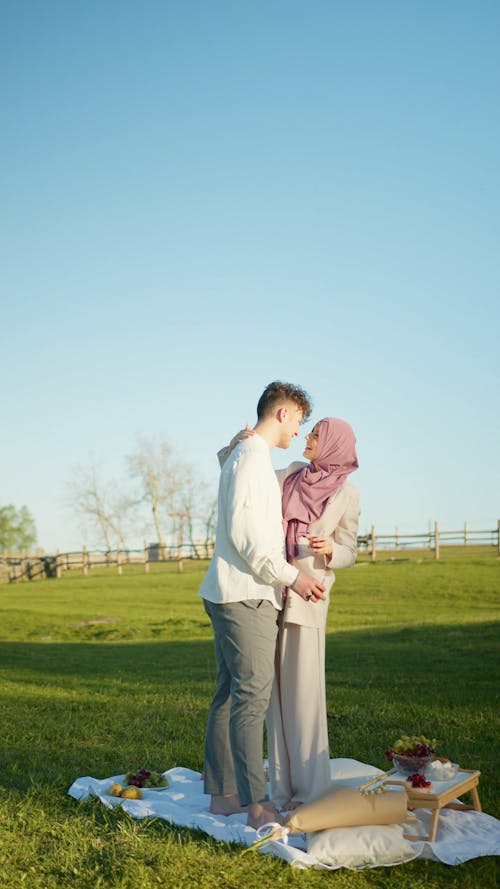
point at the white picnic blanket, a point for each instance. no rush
(460, 836)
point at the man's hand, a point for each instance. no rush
(309, 588)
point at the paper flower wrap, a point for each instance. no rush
(341, 807)
(346, 807)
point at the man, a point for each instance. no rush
(242, 594)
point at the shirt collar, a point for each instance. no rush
(260, 442)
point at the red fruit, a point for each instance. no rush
(419, 781)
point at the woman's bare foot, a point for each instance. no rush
(292, 805)
(226, 804)
(262, 813)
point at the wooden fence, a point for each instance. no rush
(17, 567)
(432, 540)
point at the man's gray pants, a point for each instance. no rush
(245, 643)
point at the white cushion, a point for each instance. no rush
(360, 846)
(341, 769)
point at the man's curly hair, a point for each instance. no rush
(277, 392)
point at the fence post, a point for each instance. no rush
(13, 578)
(397, 538)
(436, 540)
(85, 567)
(118, 561)
(58, 565)
(146, 558)
(374, 544)
(498, 537)
(466, 536)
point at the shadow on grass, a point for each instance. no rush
(399, 656)
(72, 709)
(461, 658)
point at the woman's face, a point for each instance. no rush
(311, 444)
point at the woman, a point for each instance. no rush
(320, 516)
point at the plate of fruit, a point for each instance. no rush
(419, 782)
(136, 782)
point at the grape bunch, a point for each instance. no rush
(145, 778)
(422, 750)
(418, 781)
(416, 746)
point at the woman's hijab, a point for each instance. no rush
(307, 491)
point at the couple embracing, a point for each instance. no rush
(266, 591)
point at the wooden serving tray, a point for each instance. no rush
(462, 782)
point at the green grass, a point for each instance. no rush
(101, 673)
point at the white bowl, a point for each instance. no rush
(442, 771)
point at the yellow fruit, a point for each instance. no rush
(115, 789)
(131, 793)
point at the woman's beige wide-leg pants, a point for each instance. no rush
(297, 729)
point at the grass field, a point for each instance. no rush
(103, 673)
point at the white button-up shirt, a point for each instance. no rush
(249, 559)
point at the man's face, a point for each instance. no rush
(290, 424)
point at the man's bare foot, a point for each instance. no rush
(261, 813)
(226, 804)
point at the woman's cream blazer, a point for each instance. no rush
(340, 522)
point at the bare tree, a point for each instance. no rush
(159, 477)
(210, 518)
(94, 499)
(179, 505)
(205, 499)
(196, 514)
(188, 500)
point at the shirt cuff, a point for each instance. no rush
(290, 575)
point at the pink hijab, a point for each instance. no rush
(307, 492)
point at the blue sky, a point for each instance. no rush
(199, 198)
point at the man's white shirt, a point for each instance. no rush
(249, 560)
